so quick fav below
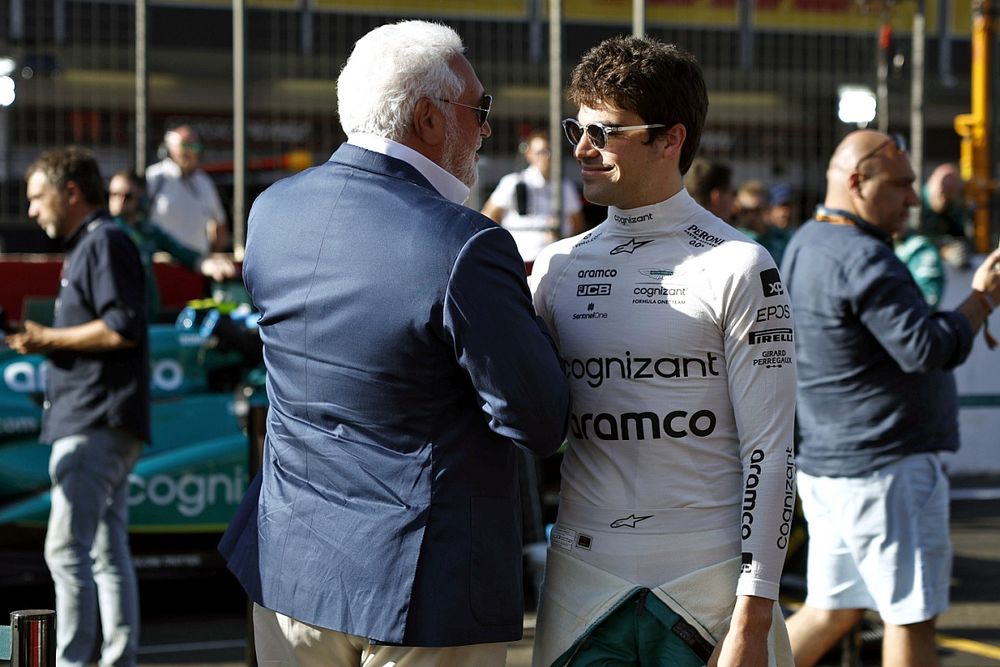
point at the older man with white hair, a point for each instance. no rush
(405, 366)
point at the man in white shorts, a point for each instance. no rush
(876, 402)
(675, 333)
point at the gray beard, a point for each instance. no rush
(462, 167)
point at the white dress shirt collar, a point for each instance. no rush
(446, 184)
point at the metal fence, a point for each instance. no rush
(775, 69)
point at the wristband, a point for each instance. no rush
(986, 301)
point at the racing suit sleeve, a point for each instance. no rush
(546, 271)
(539, 297)
(758, 338)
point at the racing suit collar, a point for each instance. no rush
(645, 219)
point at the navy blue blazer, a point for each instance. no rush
(404, 363)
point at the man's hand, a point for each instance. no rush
(987, 277)
(94, 336)
(745, 644)
(217, 268)
(33, 338)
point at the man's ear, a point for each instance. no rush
(673, 140)
(73, 194)
(428, 123)
(854, 181)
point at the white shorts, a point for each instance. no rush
(880, 541)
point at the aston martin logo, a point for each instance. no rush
(629, 521)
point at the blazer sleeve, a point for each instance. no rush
(503, 346)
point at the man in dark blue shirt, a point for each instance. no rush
(876, 403)
(96, 410)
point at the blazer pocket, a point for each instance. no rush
(495, 586)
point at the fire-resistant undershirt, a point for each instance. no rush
(676, 334)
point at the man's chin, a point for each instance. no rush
(595, 196)
(468, 177)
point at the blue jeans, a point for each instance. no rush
(86, 547)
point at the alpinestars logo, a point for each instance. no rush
(629, 247)
(629, 521)
(770, 281)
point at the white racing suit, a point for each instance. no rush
(676, 334)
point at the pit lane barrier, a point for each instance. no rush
(30, 639)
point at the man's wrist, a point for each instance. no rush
(988, 305)
(985, 300)
(752, 613)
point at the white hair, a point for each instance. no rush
(390, 69)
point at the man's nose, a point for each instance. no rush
(583, 147)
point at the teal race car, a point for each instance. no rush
(206, 373)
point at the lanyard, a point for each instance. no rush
(838, 216)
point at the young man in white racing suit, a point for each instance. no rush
(676, 334)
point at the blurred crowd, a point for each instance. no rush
(768, 212)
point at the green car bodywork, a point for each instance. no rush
(192, 475)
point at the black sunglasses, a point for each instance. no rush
(485, 104)
(597, 132)
(896, 140)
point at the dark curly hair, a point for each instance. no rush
(72, 163)
(660, 82)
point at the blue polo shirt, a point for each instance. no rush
(102, 278)
(873, 361)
